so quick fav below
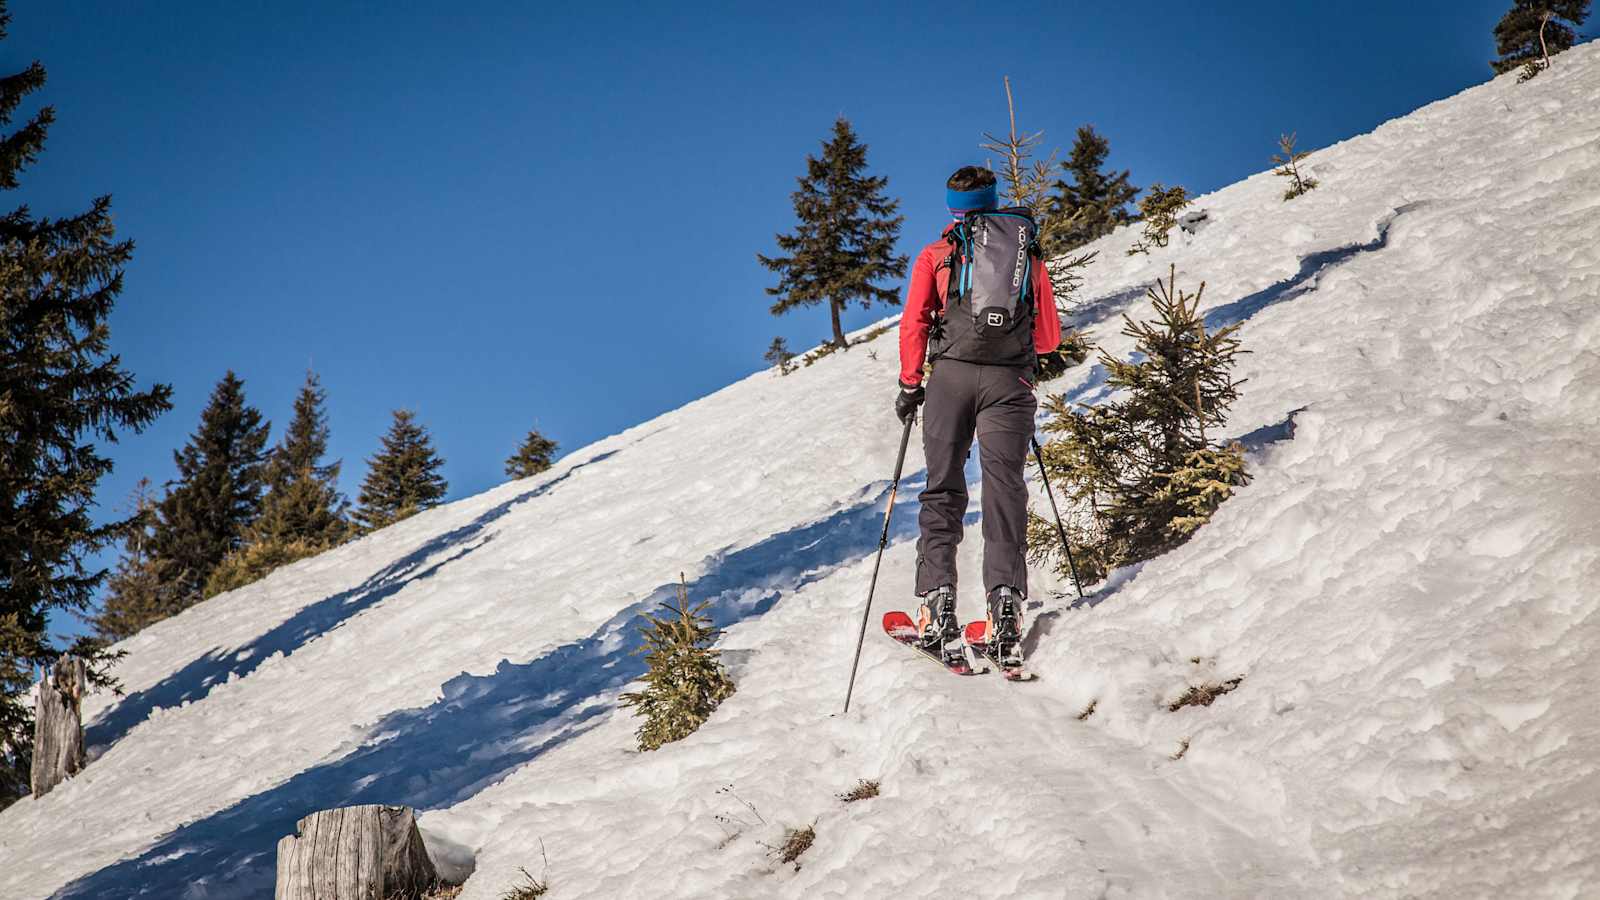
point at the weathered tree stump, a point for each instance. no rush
(58, 726)
(355, 853)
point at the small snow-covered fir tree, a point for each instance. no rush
(403, 478)
(1289, 167)
(1141, 473)
(1158, 209)
(535, 454)
(686, 680)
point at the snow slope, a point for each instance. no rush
(1407, 589)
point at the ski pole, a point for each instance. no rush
(883, 541)
(1060, 529)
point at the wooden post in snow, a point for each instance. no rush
(355, 853)
(58, 726)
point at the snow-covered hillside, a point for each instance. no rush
(1407, 589)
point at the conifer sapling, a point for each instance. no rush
(779, 357)
(1141, 473)
(535, 454)
(1289, 167)
(686, 680)
(1159, 209)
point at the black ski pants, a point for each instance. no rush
(997, 404)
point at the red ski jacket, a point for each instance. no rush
(925, 297)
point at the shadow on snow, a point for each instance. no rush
(1304, 280)
(1094, 390)
(483, 726)
(196, 679)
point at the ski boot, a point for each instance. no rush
(941, 630)
(1003, 633)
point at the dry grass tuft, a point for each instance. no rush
(1203, 694)
(530, 888)
(864, 790)
(796, 841)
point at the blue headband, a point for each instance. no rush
(965, 201)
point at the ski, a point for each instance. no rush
(976, 634)
(902, 630)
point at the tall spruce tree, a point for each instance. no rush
(1095, 201)
(303, 513)
(843, 243)
(534, 455)
(303, 500)
(403, 478)
(62, 390)
(1533, 30)
(217, 496)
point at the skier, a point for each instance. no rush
(984, 353)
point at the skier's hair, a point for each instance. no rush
(970, 178)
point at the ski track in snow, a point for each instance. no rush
(1405, 589)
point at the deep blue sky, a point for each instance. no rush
(502, 214)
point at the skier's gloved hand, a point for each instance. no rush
(906, 403)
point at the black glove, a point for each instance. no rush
(906, 403)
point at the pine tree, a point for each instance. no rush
(843, 243)
(1028, 186)
(303, 501)
(536, 454)
(1159, 208)
(209, 509)
(779, 356)
(1289, 167)
(303, 513)
(1095, 202)
(1141, 472)
(686, 680)
(61, 391)
(1532, 31)
(135, 593)
(402, 478)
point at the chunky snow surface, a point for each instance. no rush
(1407, 589)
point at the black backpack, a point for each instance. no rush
(988, 314)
